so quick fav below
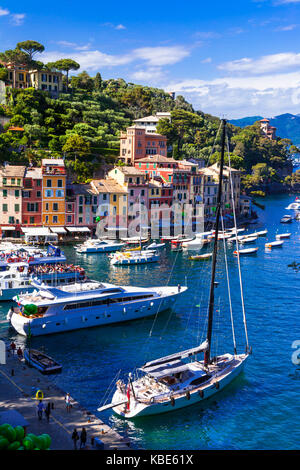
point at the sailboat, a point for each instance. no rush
(181, 379)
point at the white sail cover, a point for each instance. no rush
(176, 356)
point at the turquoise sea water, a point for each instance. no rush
(260, 409)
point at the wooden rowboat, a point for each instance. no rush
(41, 361)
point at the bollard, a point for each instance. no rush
(12, 372)
(52, 406)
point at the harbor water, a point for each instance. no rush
(260, 409)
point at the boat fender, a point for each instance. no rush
(188, 395)
(201, 393)
(39, 395)
(217, 385)
(152, 400)
(172, 401)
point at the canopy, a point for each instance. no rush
(168, 369)
(37, 231)
(176, 356)
(8, 228)
(78, 229)
(58, 230)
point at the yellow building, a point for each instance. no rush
(54, 192)
(112, 202)
(47, 80)
(18, 76)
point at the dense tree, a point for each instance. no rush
(14, 57)
(66, 65)
(30, 48)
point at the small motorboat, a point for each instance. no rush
(279, 236)
(286, 219)
(155, 246)
(275, 244)
(195, 244)
(248, 240)
(203, 257)
(262, 233)
(246, 251)
(41, 361)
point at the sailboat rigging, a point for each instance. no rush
(169, 383)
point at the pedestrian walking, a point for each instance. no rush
(20, 353)
(48, 411)
(75, 438)
(82, 438)
(68, 402)
(40, 409)
(12, 347)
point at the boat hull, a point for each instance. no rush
(183, 402)
(89, 318)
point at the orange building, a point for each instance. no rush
(54, 192)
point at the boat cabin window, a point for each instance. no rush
(201, 379)
(107, 301)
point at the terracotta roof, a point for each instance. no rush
(82, 189)
(12, 170)
(264, 120)
(108, 185)
(130, 170)
(156, 159)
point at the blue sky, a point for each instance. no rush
(229, 58)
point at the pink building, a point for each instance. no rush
(32, 197)
(137, 143)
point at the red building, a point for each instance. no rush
(32, 197)
(136, 143)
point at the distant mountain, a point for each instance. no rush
(246, 121)
(288, 125)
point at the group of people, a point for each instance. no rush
(42, 408)
(13, 349)
(55, 268)
(75, 438)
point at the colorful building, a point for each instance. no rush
(114, 211)
(47, 80)
(267, 130)
(54, 192)
(11, 185)
(32, 197)
(137, 143)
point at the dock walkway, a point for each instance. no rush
(16, 383)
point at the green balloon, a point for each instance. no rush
(8, 431)
(19, 433)
(28, 443)
(4, 443)
(47, 440)
(14, 445)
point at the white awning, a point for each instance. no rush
(58, 230)
(38, 231)
(8, 228)
(78, 229)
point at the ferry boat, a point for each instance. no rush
(87, 304)
(32, 256)
(19, 277)
(99, 246)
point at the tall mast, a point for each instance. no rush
(215, 252)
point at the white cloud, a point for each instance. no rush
(285, 2)
(4, 11)
(120, 26)
(208, 60)
(94, 60)
(264, 64)
(17, 19)
(243, 96)
(149, 75)
(114, 26)
(289, 27)
(158, 56)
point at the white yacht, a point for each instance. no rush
(133, 258)
(19, 277)
(99, 246)
(88, 304)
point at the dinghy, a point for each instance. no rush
(203, 257)
(41, 361)
(274, 244)
(246, 251)
(279, 236)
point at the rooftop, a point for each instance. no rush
(131, 170)
(157, 159)
(108, 185)
(12, 170)
(33, 172)
(53, 162)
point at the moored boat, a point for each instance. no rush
(279, 236)
(286, 219)
(275, 244)
(41, 361)
(246, 251)
(84, 305)
(204, 257)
